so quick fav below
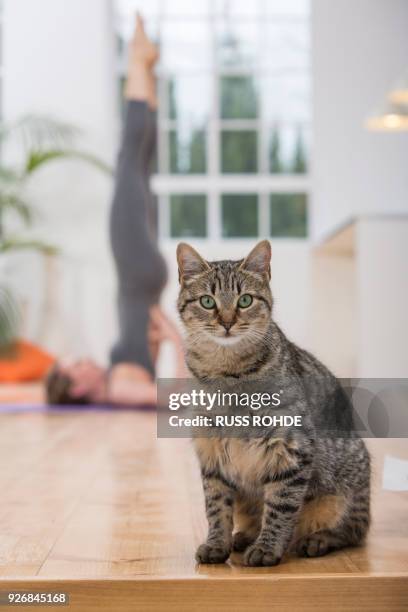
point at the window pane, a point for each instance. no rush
(239, 215)
(288, 214)
(187, 151)
(287, 98)
(289, 150)
(294, 8)
(186, 7)
(126, 17)
(287, 47)
(237, 44)
(188, 216)
(189, 99)
(146, 7)
(237, 8)
(185, 45)
(239, 97)
(239, 152)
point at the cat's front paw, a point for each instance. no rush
(314, 545)
(212, 553)
(260, 555)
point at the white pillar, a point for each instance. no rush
(59, 61)
(382, 285)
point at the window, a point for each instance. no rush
(288, 215)
(188, 214)
(239, 152)
(187, 151)
(234, 115)
(239, 98)
(239, 215)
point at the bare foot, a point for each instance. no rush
(141, 47)
(143, 54)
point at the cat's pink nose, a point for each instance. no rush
(227, 324)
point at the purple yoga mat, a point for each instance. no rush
(17, 408)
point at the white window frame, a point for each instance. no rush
(213, 184)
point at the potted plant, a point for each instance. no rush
(40, 141)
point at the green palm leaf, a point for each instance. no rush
(13, 201)
(36, 159)
(18, 244)
(9, 320)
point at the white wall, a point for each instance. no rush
(360, 48)
(59, 61)
(333, 322)
(382, 285)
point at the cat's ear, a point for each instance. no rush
(259, 259)
(190, 263)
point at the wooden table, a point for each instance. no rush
(94, 505)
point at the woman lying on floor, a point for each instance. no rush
(140, 268)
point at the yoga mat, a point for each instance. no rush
(21, 408)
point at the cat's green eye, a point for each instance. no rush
(207, 302)
(245, 300)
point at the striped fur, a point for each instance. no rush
(290, 490)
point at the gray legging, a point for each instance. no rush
(140, 267)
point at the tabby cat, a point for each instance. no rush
(287, 490)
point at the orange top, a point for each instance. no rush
(27, 363)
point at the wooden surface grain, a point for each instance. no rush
(94, 504)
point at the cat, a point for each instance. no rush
(287, 490)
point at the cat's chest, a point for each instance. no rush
(217, 362)
(242, 462)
